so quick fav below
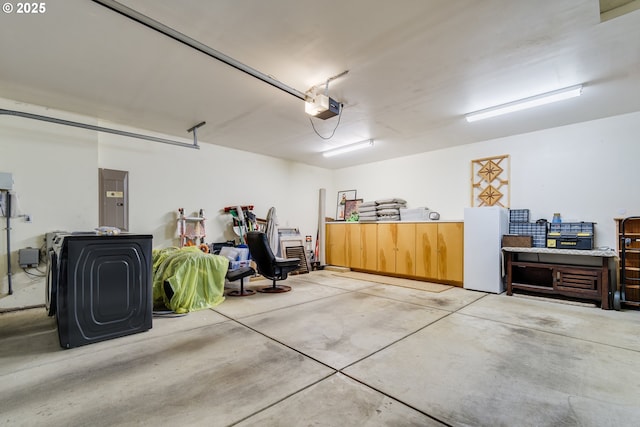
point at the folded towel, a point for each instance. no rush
(394, 200)
(383, 212)
(362, 209)
(367, 204)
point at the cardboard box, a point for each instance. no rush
(515, 241)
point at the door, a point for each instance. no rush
(114, 198)
(450, 251)
(406, 249)
(335, 244)
(369, 245)
(352, 245)
(427, 250)
(387, 240)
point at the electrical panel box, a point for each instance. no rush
(6, 181)
(29, 257)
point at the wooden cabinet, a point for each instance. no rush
(368, 247)
(439, 251)
(451, 251)
(573, 280)
(336, 239)
(397, 248)
(423, 250)
(351, 245)
(629, 255)
(427, 250)
(361, 244)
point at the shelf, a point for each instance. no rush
(629, 269)
(543, 288)
(533, 264)
(568, 280)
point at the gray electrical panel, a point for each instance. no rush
(6, 181)
(29, 257)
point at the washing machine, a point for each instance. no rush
(99, 286)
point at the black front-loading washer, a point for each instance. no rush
(99, 287)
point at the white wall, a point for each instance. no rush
(587, 172)
(163, 178)
(55, 181)
(55, 170)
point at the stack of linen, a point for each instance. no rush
(389, 209)
(368, 211)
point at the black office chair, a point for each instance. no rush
(240, 273)
(268, 265)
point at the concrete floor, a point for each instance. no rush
(335, 352)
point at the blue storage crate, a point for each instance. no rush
(537, 231)
(519, 215)
(572, 228)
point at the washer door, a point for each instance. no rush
(52, 284)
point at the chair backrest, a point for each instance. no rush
(261, 253)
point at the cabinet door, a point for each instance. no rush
(335, 244)
(631, 266)
(578, 281)
(450, 251)
(387, 244)
(368, 246)
(406, 249)
(352, 248)
(427, 250)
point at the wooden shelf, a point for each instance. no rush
(528, 286)
(568, 280)
(632, 258)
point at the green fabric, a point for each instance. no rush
(196, 278)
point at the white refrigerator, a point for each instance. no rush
(483, 230)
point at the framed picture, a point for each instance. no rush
(343, 196)
(351, 206)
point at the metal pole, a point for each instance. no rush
(182, 38)
(95, 128)
(8, 213)
(195, 134)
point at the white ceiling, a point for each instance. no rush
(415, 68)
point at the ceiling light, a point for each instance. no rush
(346, 148)
(522, 104)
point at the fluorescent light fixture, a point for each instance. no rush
(348, 148)
(522, 104)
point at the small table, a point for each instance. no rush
(568, 272)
